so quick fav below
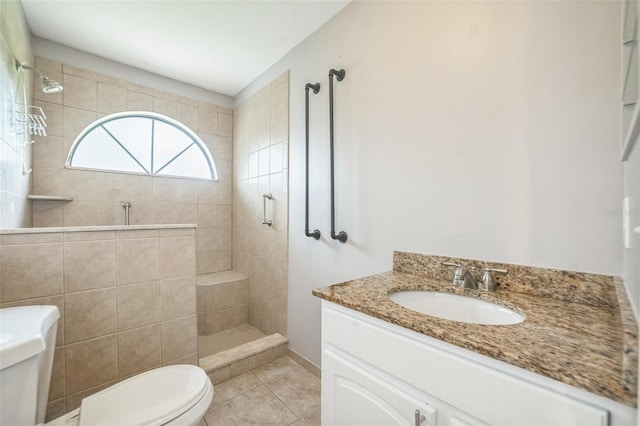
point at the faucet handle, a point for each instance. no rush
(487, 282)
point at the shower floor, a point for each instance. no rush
(227, 339)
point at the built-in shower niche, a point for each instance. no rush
(227, 344)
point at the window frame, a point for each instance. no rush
(152, 116)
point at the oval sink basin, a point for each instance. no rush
(456, 308)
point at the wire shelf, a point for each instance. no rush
(33, 120)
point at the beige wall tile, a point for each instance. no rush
(30, 271)
(139, 101)
(165, 190)
(224, 238)
(48, 181)
(221, 296)
(165, 213)
(165, 107)
(224, 260)
(111, 99)
(223, 319)
(207, 216)
(225, 124)
(179, 338)
(48, 213)
(89, 236)
(56, 384)
(56, 409)
(219, 375)
(177, 297)
(207, 239)
(89, 314)
(191, 359)
(187, 191)
(224, 216)
(89, 265)
(208, 120)
(225, 193)
(91, 363)
(188, 213)
(177, 232)
(122, 187)
(79, 72)
(207, 262)
(139, 349)
(75, 121)
(38, 238)
(138, 260)
(47, 152)
(80, 213)
(79, 184)
(138, 305)
(136, 234)
(177, 257)
(79, 92)
(187, 115)
(207, 192)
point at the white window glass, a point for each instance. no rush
(142, 143)
(134, 133)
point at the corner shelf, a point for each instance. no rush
(49, 198)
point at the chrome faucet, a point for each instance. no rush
(464, 277)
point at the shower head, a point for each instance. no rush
(48, 85)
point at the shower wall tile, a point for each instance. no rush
(111, 99)
(79, 92)
(260, 252)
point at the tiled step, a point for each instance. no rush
(235, 361)
(222, 301)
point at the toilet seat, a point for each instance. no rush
(152, 398)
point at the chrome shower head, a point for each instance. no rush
(48, 85)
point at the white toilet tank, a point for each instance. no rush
(27, 342)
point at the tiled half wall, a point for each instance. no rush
(97, 196)
(127, 300)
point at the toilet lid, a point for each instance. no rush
(151, 398)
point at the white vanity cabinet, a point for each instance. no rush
(377, 373)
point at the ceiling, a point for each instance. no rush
(221, 46)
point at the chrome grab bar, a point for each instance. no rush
(264, 209)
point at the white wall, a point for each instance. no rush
(481, 129)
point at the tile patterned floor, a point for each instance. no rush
(281, 393)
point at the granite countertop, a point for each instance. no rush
(589, 346)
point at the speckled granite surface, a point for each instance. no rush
(589, 344)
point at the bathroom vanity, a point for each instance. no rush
(567, 363)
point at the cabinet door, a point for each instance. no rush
(360, 398)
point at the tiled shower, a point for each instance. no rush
(250, 151)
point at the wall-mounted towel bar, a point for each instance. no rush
(316, 88)
(264, 209)
(341, 236)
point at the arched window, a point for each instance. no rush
(143, 143)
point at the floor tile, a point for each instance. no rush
(274, 369)
(300, 391)
(258, 406)
(233, 387)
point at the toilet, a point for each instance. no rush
(172, 395)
